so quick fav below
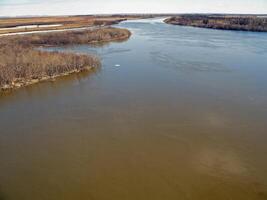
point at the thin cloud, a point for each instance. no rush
(29, 2)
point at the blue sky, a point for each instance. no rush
(62, 7)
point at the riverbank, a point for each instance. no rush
(223, 22)
(22, 64)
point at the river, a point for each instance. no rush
(173, 113)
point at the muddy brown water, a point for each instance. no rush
(174, 113)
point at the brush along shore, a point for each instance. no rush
(22, 63)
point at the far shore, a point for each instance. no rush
(223, 22)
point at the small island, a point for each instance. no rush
(23, 63)
(224, 22)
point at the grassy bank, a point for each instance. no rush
(224, 22)
(22, 64)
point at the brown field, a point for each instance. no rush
(22, 64)
(67, 22)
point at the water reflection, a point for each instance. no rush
(101, 44)
(44, 88)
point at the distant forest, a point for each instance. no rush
(225, 22)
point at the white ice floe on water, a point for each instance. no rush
(117, 65)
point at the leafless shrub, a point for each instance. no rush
(21, 61)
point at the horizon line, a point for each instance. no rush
(102, 14)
